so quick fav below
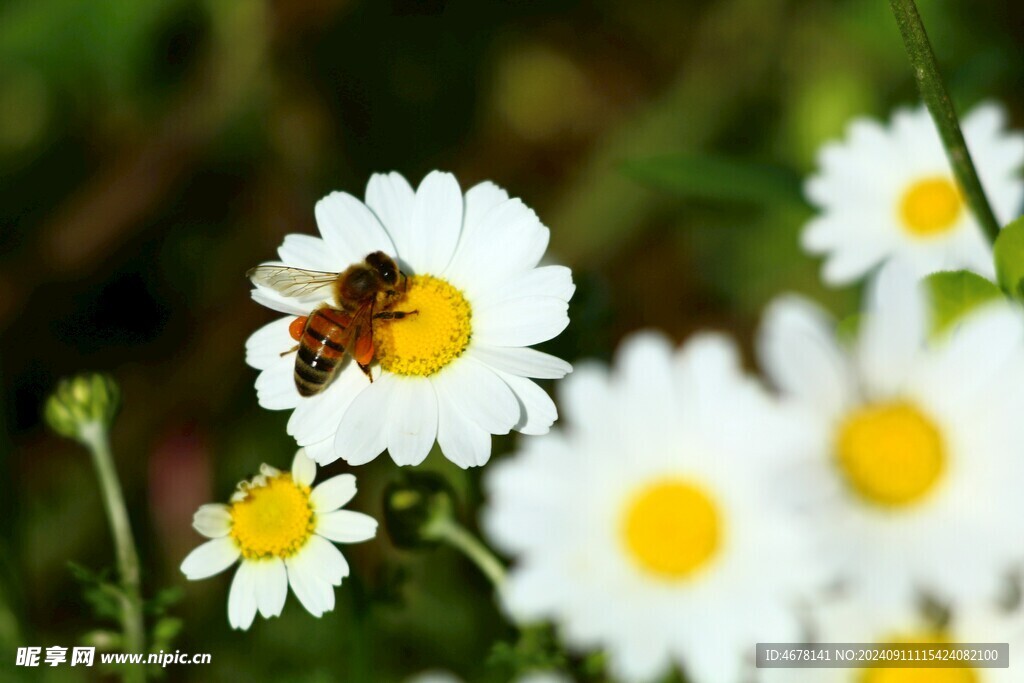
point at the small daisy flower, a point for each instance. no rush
(914, 470)
(889, 193)
(281, 531)
(849, 620)
(457, 371)
(649, 528)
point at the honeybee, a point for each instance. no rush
(329, 332)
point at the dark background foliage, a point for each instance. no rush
(150, 152)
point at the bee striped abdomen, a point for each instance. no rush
(321, 350)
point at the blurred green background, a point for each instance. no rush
(150, 152)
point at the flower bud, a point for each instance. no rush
(414, 505)
(83, 400)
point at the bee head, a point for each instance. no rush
(384, 266)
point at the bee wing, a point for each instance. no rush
(291, 282)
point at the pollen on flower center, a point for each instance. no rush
(930, 206)
(890, 453)
(273, 520)
(437, 334)
(671, 528)
(928, 675)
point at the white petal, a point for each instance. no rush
(412, 426)
(981, 353)
(242, 597)
(317, 417)
(587, 397)
(333, 493)
(479, 394)
(521, 361)
(710, 381)
(849, 264)
(309, 253)
(271, 585)
(436, 223)
(304, 582)
(326, 591)
(351, 229)
(637, 658)
(322, 452)
(212, 520)
(303, 468)
(346, 526)
(391, 197)
(362, 433)
(643, 377)
(892, 331)
(986, 119)
(553, 281)
(264, 347)
(326, 560)
(276, 302)
(462, 441)
(520, 322)
(799, 351)
(275, 386)
(210, 558)
(480, 199)
(537, 410)
(509, 240)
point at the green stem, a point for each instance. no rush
(94, 436)
(448, 530)
(936, 98)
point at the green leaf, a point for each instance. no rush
(104, 596)
(165, 631)
(1009, 255)
(535, 650)
(164, 599)
(706, 177)
(849, 327)
(956, 293)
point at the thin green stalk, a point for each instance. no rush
(448, 530)
(95, 438)
(936, 98)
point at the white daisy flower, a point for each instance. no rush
(914, 474)
(448, 677)
(281, 530)
(649, 527)
(889, 193)
(457, 371)
(852, 621)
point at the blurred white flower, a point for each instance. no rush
(281, 530)
(852, 621)
(459, 370)
(887, 192)
(650, 527)
(913, 479)
(447, 677)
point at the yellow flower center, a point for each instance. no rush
(930, 206)
(890, 453)
(274, 520)
(671, 528)
(929, 675)
(925, 675)
(437, 334)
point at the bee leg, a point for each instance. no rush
(291, 350)
(366, 371)
(393, 315)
